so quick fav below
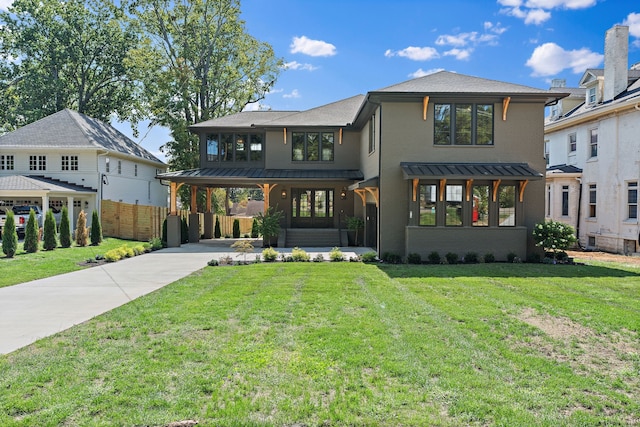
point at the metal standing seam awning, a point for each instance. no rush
(266, 179)
(370, 185)
(495, 172)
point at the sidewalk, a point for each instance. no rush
(43, 307)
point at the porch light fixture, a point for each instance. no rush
(343, 193)
(283, 194)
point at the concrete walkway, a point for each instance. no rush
(43, 307)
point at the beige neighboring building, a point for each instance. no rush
(445, 162)
(592, 143)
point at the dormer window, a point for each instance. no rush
(591, 95)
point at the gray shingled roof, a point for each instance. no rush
(240, 174)
(564, 169)
(70, 129)
(244, 119)
(469, 170)
(40, 183)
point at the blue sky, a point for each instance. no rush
(335, 49)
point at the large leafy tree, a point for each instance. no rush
(202, 65)
(67, 54)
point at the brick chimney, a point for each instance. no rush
(616, 61)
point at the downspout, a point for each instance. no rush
(379, 207)
(579, 212)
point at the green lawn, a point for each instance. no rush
(24, 267)
(347, 344)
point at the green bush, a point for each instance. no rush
(370, 257)
(434, 258)
(213, 263)
(300, 255)
(9, 235)
(554, 236)
(155, 243)
(318, 258)
(511, 256)
(50, 233)
(254, 229)
(96, 229)
(65, 229)
(414, 258)
(217, 233)
(269, 254)
(471, 258)
(452, 258)
(31, 243)
(489, 258)
(236, 228)
(81, 230)
(113, 255)
(269, 225)
(336, 255)
(391, 258)
(128, 252)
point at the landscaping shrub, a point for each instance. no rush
(244, 247)
(50, 232)
(81, 230)
(414, 258)
(452, 258)
(269, 224)
(511, 256)
(471, 258)
(213, 263)
(269, 254)
(184, 231)
(225, 260)
(65, 229)
(336, 255)
(489, 258)
(554, 237)
(236, 228)
(300, 255)
(434, 258)
(155, 243)
(254, 229)
(534, 258)
(369, 257)
(128, 252)
(216, 231)
(391, 258)
(9, 235)
(113, 255)
(318, 258)
(96, 229)
(31, 243)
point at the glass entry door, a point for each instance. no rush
(312, 208)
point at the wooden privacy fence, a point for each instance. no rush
(142, 223)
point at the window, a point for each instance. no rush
(548, 200)
(507, 206)
(546, 152)
(212, 147)
(565, 200)
(593, 142)
(372, 134)
(591, 241)
(480, 215)
(632, 200)
(592, 200)
(229, 147)
(226, 147)
(119, 167)
(468, 124)
(135, 170)
(428, 205)
(37, 163)
(69, 163)
(453, 205)
(312, 146)
(106, 165)
(256, 148)
(7, 162)
(591, 95)
(572, 142)
(241, 148)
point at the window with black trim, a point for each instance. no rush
(592, 200)
(453, 198)
(38, 163)
(463, 124)
(565, 200)
(507, 206)
(480, 215)
(230, 147)
(7, 162)
(428, 204)
(69, 163)
(312, 146)
(632, 200)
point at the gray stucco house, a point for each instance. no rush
(445, 162)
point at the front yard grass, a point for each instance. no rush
(24, 267)
(347, 344)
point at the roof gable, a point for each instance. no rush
(70, 129)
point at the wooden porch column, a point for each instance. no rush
(194, 218)
(266, 189)
(173, 195)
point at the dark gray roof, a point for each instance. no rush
(446, 82)
(253, 174)
(469, 170)
(574, 92)
(564, 169)
(40, 183)
(70, 129)
(244, 119)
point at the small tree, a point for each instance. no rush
(217, 233)
(31, 243)
(50, 233)
(554, 236)
(236, 228)
(81, 230)
(244, 247)
(9, 235)
(254, 229)
(355, 223)
(269, 225)
(96, 229)
(65, 229)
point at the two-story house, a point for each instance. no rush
(70, 159)
(593, 151)
(445, 162)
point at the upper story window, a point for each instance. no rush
(37, 163)
(463, 124)
(7, 162)
(591, 95)
(593, 142)
(312, 146)
(107, 167)
(572, 142)
(135, 170)
(119, 167)
(69, 163)
(229, 147)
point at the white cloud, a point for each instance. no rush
(460, 54)
(294, 94)
(4, 4)
(550, 59)
(633, 21)
(310, 47)
(421, 73)
(560, 4)
(458, 40)
(295, 65)
(538, 11)
(414, 53)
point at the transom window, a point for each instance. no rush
(7, 162)
(37, 163)
(230, 147)
(312, 146)
(463, 124)
(632, 200)
(69, 163)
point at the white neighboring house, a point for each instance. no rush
(593, 153)
(70, 159)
